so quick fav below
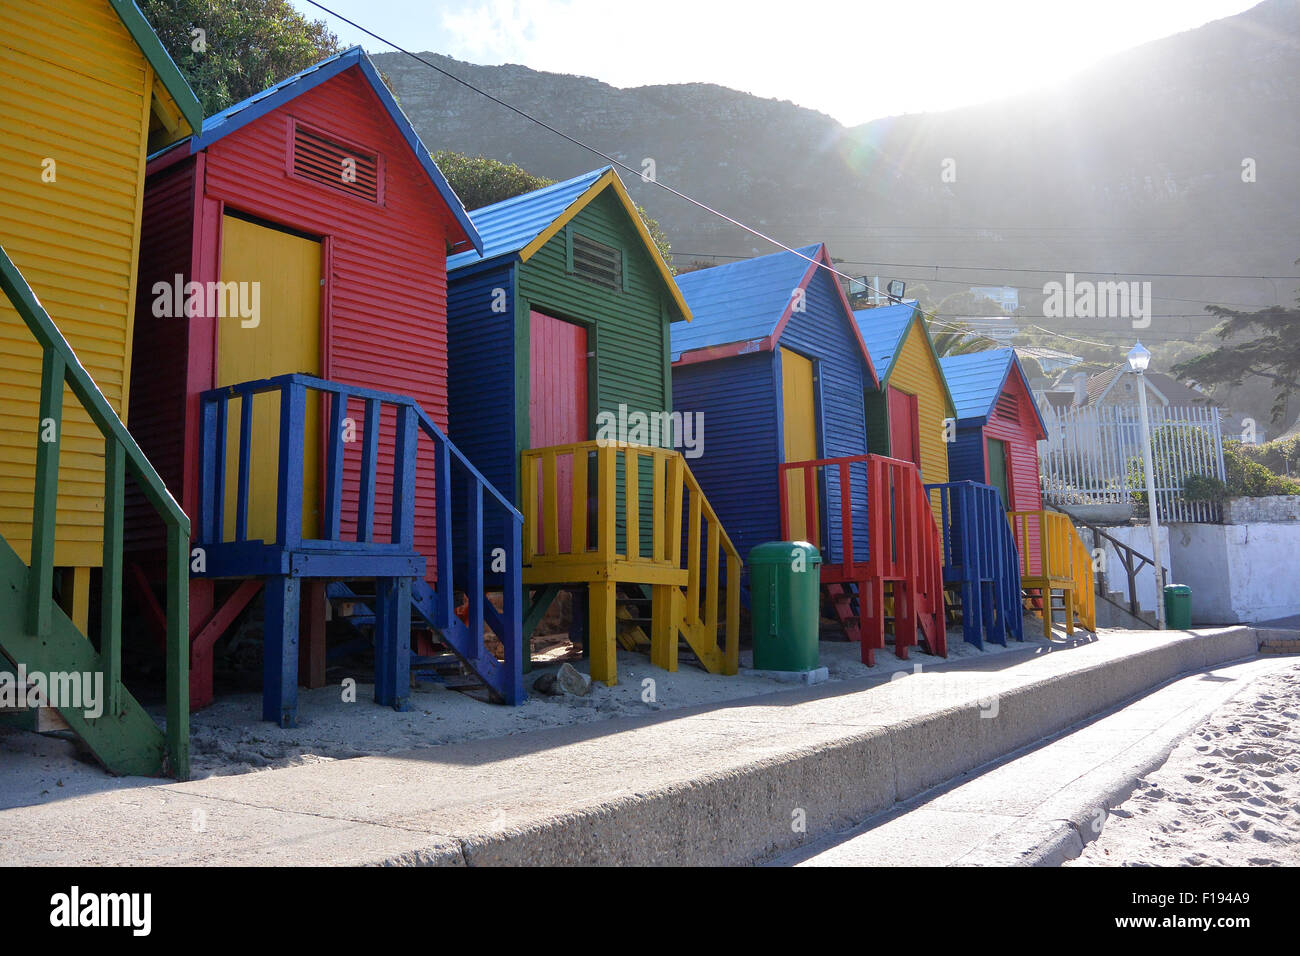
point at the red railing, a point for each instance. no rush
(884, 497)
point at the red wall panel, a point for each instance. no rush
(385, 292)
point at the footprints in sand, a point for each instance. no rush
(1228, 790)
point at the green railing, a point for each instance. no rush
(59, 365)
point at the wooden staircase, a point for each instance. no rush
(1055, 569)
(390, 560)
(635, 519)
(981, 567)
(35, 635)
(880, 548)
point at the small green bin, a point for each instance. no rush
(785, 605)
(1178, 607)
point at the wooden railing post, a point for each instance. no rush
(404, 459)
(332, 516)
(178, 650)
(245, 464)
(49, 435)
(606, 505)
(846, 512)
(369, 469)
(578, 506)
(446, 609)
(632, 498)
(110, 619)
(293, 419)
(550, 503)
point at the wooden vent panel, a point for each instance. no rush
(326, 161)
(1008, 408)
(597, 262)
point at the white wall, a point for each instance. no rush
(1239, 573)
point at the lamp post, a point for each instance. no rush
(1138, 360)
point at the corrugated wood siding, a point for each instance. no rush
(822, 332)
(966, 456)
(877, 410)
(76, 89)
(386, 294)
(481, 386)
(916, 372)
(482, 378)
(630, 326)
(631, 362)
(742, 442)
(1016, 427)
(158, 366)
(1022, 462)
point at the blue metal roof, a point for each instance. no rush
(234, 117)
(507, 227)
(882, 330)
(976, 379)
(739, 301)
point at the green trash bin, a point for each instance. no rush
(785, 605)
(1178, 607)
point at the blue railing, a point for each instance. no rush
(437, 605)
(980, 558)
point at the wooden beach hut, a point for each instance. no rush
(998, 426)
(775, 364)
(561, 394)
(913, 418)
(912, 412)
(300, 239)
(86, 91)
(998, 430)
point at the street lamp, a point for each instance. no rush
(1138, 360)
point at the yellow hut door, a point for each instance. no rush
(799, 412)
(283, 337)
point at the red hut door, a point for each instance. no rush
(557, 402)
(904, 427)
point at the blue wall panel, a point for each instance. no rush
(737, 471)
(966, 455)
(823, 332)
(481, 390)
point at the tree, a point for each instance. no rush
(480, 181)
(1262, 344)
(954, 338)
(230, 49)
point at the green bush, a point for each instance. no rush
(1204, 488)
(1250, 479)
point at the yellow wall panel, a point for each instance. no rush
(286, 339)
(916, 372)
(799, 413)
(74, 88)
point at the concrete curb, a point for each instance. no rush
(749, 814)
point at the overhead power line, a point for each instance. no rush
(613, 161)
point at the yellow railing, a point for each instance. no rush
(579, 529)
(1054, 558)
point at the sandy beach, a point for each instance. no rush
(1229, 794)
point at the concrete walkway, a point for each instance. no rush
(732, 784)
(1040, 806)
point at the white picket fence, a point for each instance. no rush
(1093, 453)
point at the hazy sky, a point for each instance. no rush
(854, 60)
